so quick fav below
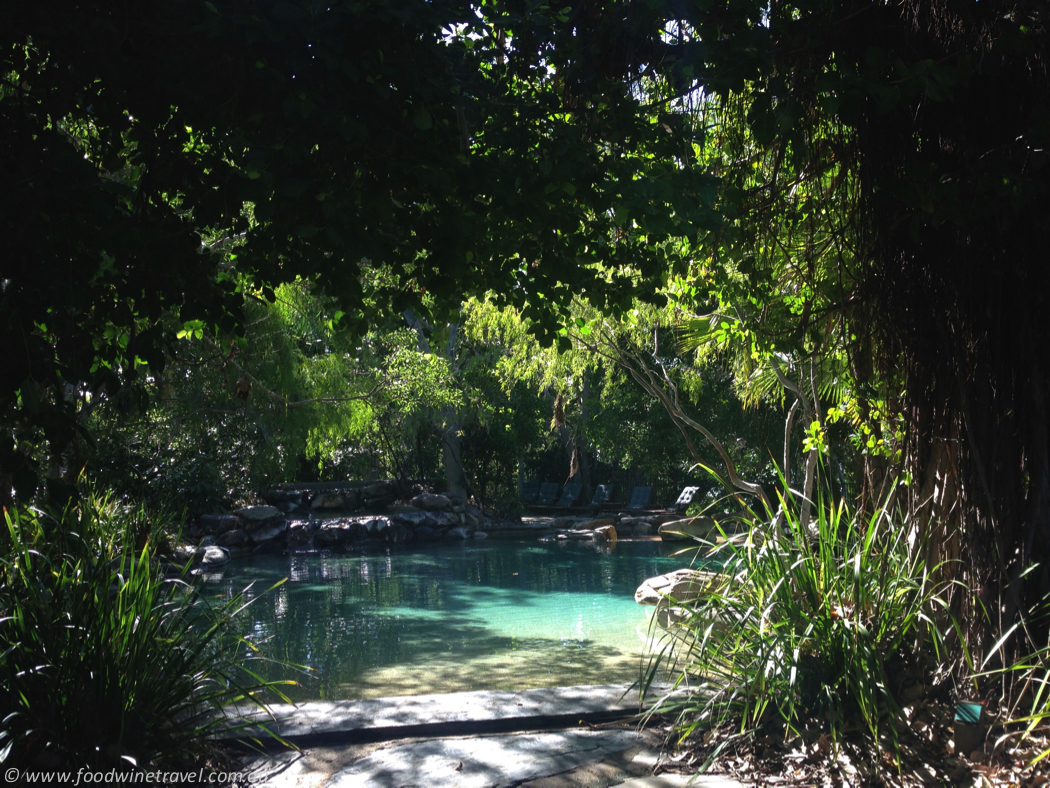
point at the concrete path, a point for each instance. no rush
(544, 738)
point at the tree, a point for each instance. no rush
(158, 160)
(907, 143)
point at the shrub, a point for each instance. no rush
(104, 661)
(817, 626)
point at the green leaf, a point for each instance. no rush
(422, 118)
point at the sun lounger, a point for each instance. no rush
(569, 493)
(640, 497)
(548, 492)
(685, 499)
(529, 490)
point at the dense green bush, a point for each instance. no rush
(105, 661)
(815, 627)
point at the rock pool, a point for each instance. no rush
(450, 617)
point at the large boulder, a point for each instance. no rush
(379, 495)
(327, 502)
(339, 533)
(688, 530)
(431, 502)
(217, 523)
(605, 533)
(444, 519)
(266, 531)
(642, 528)
(234, 538)
(413, 519)
(253, 513)
(681, 585)
(374, 526)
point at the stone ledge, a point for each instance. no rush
(441, 714)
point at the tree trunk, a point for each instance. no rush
(452, 460)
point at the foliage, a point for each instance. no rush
(399, 155)
(808, 626)
(106, 662)
(231, 414)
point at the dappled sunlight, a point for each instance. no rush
(506, 615)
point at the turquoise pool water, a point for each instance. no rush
(481, 614)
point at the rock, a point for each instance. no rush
(444, 519)
(218, 523)
(689, 529)
(681, 585)
(270, 547)
(642, 527)
(379, 495)
(375, 526)
(480, 535)
(606, 533)
(258, 512)
(299, 534)
(668, 616)
(594, 525)
(331, 535)
(327, 501)
(207, 541)
(412, 519)
(185, 552)
(233, 538)
(426, 534)
(431, 502)
(396, 533)
(269, 531)
(351, 499)
(458, 533)
(215, 556)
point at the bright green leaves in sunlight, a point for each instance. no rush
(191, 329)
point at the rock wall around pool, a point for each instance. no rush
(269, 528)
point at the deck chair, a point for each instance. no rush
(529, 490)
(685, 499)
(602, 494)
(548, 491)
(640, 497)
(569, 494)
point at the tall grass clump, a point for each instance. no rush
(812, 627)
(105, 662)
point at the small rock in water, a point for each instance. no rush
(215, 556)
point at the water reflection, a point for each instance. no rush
(485, 615)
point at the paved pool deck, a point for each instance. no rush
(563, 737)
